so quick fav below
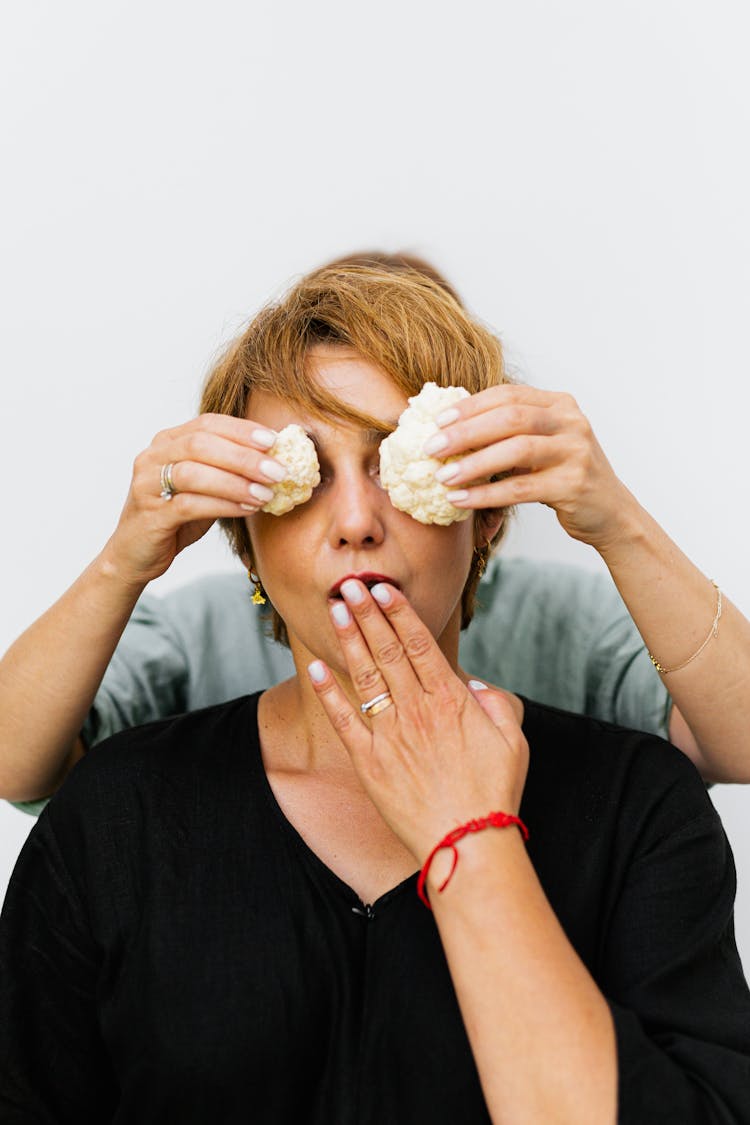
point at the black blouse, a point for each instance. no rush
(172, 951)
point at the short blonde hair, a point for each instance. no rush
(403, 321)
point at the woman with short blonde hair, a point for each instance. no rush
(380, 891)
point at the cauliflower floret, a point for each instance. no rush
(296, 453)
(406, 473)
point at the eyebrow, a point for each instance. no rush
(372, 435)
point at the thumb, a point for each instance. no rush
(495, 704)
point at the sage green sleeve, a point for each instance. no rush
(200, 644)
(563, 636)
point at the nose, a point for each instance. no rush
(357, 511)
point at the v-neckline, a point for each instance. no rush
(301, 844)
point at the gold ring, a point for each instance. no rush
(376, 705)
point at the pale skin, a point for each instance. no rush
(50, 675)
(545, 442)
(371, 798)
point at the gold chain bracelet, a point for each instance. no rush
(714, 632)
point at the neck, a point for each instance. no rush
(294, 706)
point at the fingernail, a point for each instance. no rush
(434, 444)
(352, 591)
(340, 614)
(249, 507)
(448, 472)
(260, 492)
(477, 685)
(316, 671)
(381, 593)
(263, 438)
(446, 417)
(457, 496)
(273, 470)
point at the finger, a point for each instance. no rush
(488, 426)
(205, 480)
(503, 395)
(543, 487)
(375, 657)
(364, 673)
(205, 447)
(244, 431)
(187, 506)
(499, 709)
(344, 719)
(526, 452)
(422, 654)
(502, 412)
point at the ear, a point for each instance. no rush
(487, 524)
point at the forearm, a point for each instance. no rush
(50, 675)
(540, 1030)
(673, 605)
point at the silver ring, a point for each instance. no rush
(376, 705)
(168, 489)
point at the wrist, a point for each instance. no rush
(119, 578)
(628, 532)
(474, 849)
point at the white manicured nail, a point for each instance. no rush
(260, 492)
(434, 444)
(316, 671)
(263, 438)
(448, 472)
(457, 496)
(381, 593)
(352, 592)
(273, 470)
(340, 614)
(446, 417)
(477, 685)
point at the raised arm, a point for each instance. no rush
(50, 675)
(663, 1024)
(551, 455)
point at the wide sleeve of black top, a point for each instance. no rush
(675, 984)
(54, 1067)
(645, 892)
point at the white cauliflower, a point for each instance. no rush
(405, 471)
(294, 450)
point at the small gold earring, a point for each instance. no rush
(483, 555)
(258, 597)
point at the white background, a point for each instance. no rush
(578, 169)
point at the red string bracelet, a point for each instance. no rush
(494, 820)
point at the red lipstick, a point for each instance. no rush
(368, 577)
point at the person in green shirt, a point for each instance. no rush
(106, 657)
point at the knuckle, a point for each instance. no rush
(366, 678)
(195, 445)
(341, 719)
(519, 488)
(525, 447)
(580, 479)
(249, 464)
(366, 610)
(390, 653)
(179, 506)
(417, 644)
(516, 417)
(140, 463)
